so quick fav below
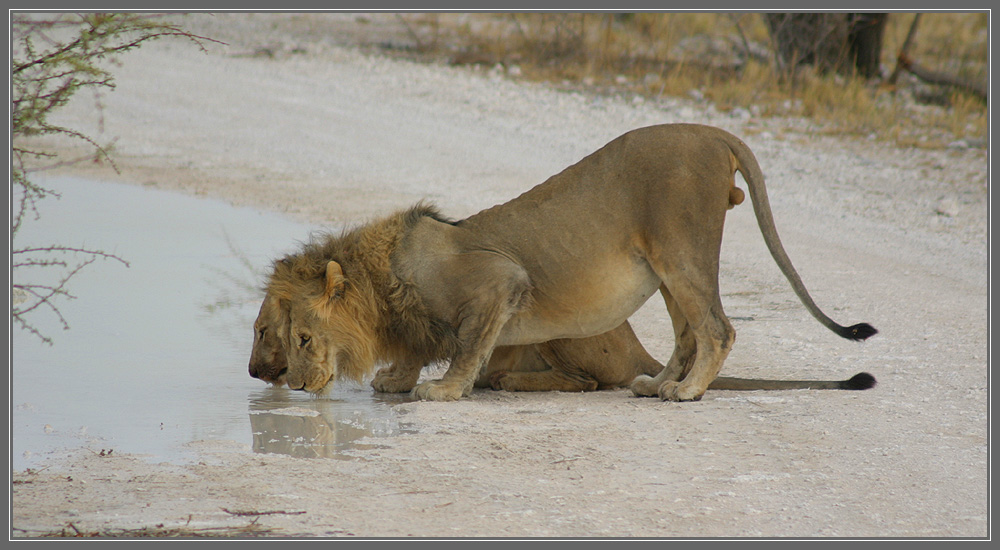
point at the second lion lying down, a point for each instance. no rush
(609, 360)
(544, 280)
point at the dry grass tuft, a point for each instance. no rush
(727, 59)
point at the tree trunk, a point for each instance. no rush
(865, 41)
(841, 42)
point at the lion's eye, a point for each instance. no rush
(260, 333)
(303, 340)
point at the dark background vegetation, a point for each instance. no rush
(914, 79)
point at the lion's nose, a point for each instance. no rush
(253, 372)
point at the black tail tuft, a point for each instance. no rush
(860, 381)
(860, 331)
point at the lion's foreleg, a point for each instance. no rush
(488, 299)
(458, 380)
(397, 378)
(478, 335)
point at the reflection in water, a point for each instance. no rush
(290, 423)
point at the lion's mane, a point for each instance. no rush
(376, 316)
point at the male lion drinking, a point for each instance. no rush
(548, 279)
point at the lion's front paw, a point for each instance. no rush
(387, 381)
(496, 380)
(644, 386)
(437, 390)
(676, 391)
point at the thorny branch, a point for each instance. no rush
(51, 60)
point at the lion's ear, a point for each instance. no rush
(334, 280)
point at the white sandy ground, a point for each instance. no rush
(329, 134)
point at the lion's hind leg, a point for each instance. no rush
(695, 297)
(507, 359)
(546, 380)
(682, 359)
(714, 337)
(540, 368)
(609, 360)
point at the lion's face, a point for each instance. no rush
(327, 337)
(312, 351)
(268, 360)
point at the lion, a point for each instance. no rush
(573, 257)
(268, 359)
(613, 360)
(515, 368)
(607, 361)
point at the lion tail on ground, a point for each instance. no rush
(860, 381)
(747, 165)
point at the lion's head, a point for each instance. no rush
(330, 332)
(346, 310)
(268, 360)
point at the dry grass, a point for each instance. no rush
(726, 59)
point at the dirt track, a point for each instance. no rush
(894, 237)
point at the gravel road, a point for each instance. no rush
(288, 118)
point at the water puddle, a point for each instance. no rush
(156, 356)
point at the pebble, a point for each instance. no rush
(948, 208)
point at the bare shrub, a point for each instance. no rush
(54, 56)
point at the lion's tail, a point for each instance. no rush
(860, 381)
(747, 165)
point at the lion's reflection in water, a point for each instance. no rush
(295, 424)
